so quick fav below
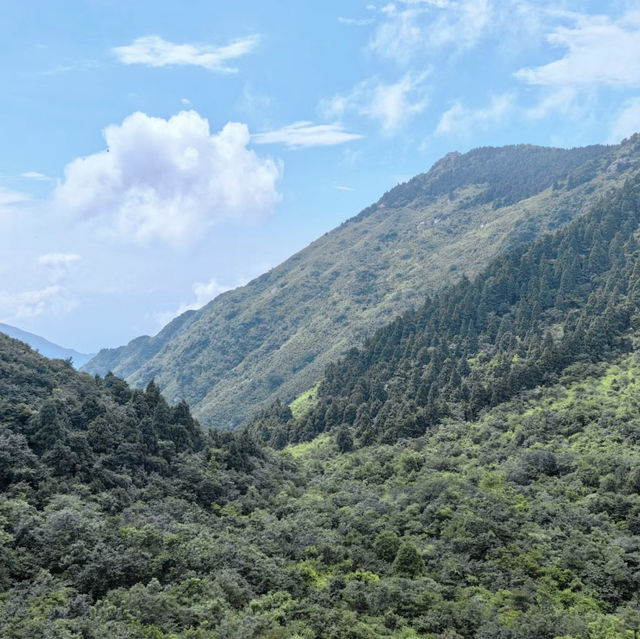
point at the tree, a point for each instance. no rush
(344, 439)
(408, 561)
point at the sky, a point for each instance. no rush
(157, 153)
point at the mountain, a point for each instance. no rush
(568, 298)
(274, 337)
(45, 347)
(511, 511)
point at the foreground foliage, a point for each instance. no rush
(525, 523)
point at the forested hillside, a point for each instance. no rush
(571, 296)
(272, 338)
(474, 472)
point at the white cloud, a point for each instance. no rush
(627, 122)
(34, 175)
(28, 304)
(341, 187)
(391, 105)
(356, 22)
(204, 293)
(460, 120)
(170, 179)
(600, 51)
(153, 51)
(9, 199)
(556, 100)
(58, 265)
(420, 27)
(306, 134)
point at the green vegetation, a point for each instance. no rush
(568, 297)
(472, 472)
(273, 338)
(302, 404)
(524, 523)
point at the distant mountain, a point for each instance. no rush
(45, 347)
(274, 337)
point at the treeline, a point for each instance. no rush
(529, 170)
(570, 296)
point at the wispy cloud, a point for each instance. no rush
(461, 120)
(306, 134)
(390, 105)
(356, 22)
(204, 292)
(58, 265)
(341, 187)
(600, 51)
(34, 175)
(414, 27)
(9, 200)
(627, 121)
(52, 300)
(154, 51)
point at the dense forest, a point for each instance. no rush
(473, 471)
(273, 337)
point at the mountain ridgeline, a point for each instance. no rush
(273, 337)
(569, 297)
(45, 347)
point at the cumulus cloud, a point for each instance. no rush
(51, 300)
(58, 265)
(306, 134)
(204, 292)
(171, 179)
(600, 51)
(627, 122)
(153, 51)
(460, 120)
(391, 105)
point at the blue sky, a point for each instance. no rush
(157, 153)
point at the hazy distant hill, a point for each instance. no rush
(273, 337)
(45, 347)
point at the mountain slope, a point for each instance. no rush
(273, 337)
(570, 296)
(45, 347)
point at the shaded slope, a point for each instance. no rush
(273, 337)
